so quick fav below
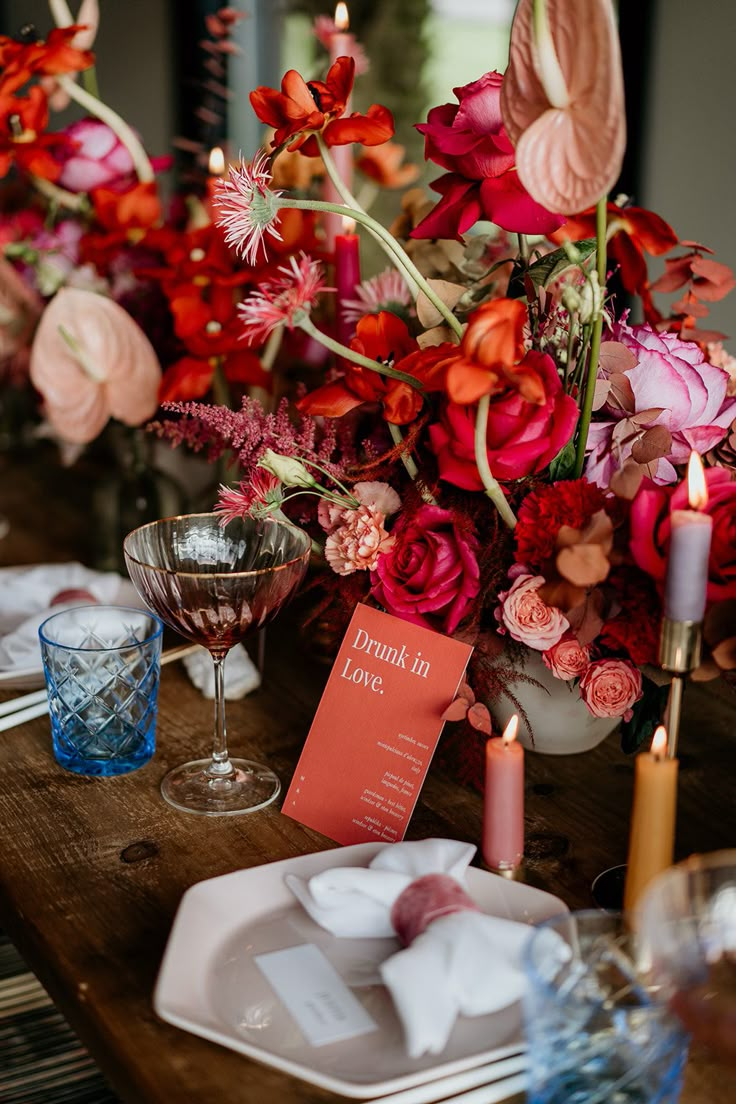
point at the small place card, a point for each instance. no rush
(310, 987)
(376, 729)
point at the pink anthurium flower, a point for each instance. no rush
(562, 101)
(91, 362)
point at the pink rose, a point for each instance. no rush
(650, 530)
(527, 618)
(522, 438)
(430, 577)
(470, 141)
(672, 385)
(98, 157)
(357, 544)
(610, 687)
(566, 659)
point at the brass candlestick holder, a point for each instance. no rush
(680, 645)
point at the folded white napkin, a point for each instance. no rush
(241, 674)
(465, 963)
(26, 597)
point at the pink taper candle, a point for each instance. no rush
(503, 804)
(342, 44)
(347, 275)
(689, 550)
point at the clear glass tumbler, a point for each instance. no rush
(598, 1030)
(101, 665)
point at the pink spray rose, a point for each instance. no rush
(470, 141)
(566, 659)
(430, 577)
(527, 618)
(671, 385)
(98, 158)
(522, 437)
(610, 687)
(650, 530)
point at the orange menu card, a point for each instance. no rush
(376, 729)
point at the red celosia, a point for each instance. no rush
(302, 109)
(543, 513)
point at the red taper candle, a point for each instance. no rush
(342, 44)
(347, 275)
(503, 805)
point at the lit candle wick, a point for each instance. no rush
(509, 733)
(217, 162)
(342, 19)
(697, 493)
(659, 742)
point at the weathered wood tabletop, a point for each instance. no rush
(92, 870)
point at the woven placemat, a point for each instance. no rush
(41, 1059)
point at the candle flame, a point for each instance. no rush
(348, 225)
(696, 488)
(509, 733)
(659, 742)
(217, 162)
(342, 19)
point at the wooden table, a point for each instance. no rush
(92, 870)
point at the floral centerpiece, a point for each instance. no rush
(496, 452)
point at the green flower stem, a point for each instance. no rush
(272, 348)
(73, 201)
(220, 388)
(492, 486)
(524, 248)
(305, 323)
(409, 463)
(391, 246)
(586, 412)
(96, 107)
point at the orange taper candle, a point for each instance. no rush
(503, 804)
(652, 838)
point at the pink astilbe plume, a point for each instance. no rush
(249, 432)
(283, 300)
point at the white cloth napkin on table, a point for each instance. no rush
(26, 594)
(466, 963)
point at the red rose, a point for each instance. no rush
(469, 140)
(650, 530)
(523, 437)
(430, 576)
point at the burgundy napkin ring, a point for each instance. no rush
(427, 899)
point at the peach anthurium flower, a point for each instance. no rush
(562, 101)
(91, 362)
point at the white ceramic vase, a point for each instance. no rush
(560, 721)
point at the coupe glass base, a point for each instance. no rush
(249, 788)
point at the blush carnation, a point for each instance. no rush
(357, 544)
(527, 618)
(610, 687)
(567, 659)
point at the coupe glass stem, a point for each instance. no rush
(220, 767)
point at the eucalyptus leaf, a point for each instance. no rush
(563, 464)
(552, 265)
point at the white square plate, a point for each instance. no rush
(210, 985)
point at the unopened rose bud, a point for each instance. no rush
(291, 472)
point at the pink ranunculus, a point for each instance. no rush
(679, 389)
(430, 577)
(610, 687)
(470, 141)
(98, 158)
(567, 659)
(527, 618)
(522, 438)
(650, 530)
(359, 542)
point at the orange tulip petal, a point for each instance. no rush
(567, 157)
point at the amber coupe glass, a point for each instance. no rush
(215, 584)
